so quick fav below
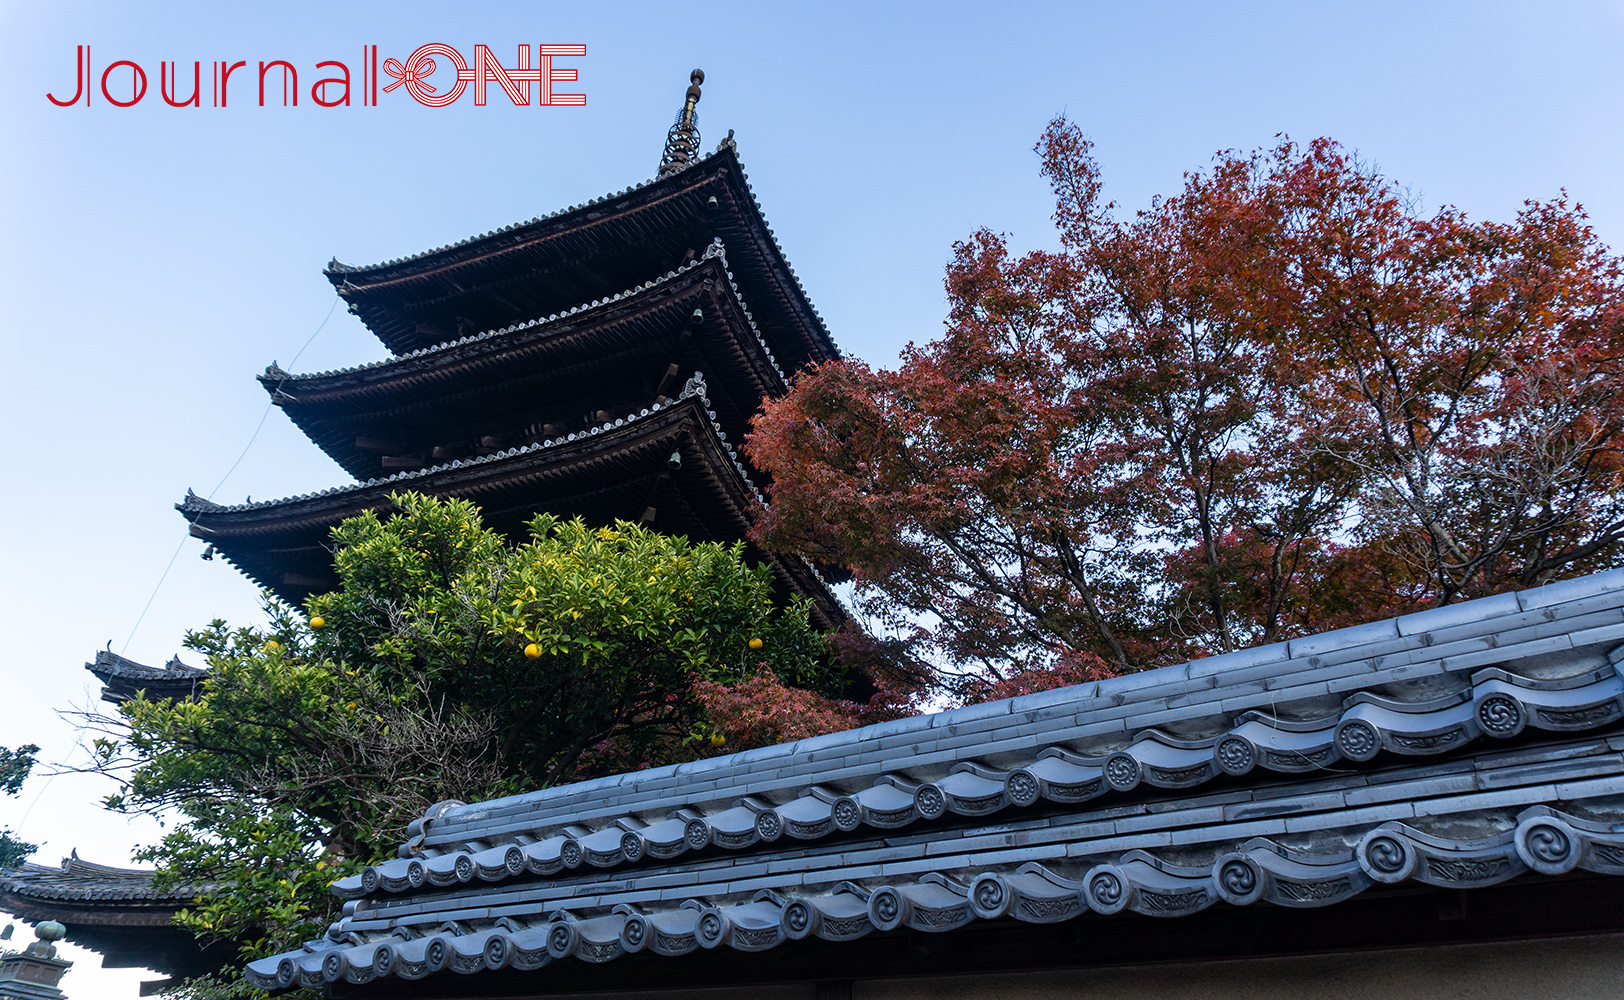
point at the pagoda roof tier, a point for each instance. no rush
(585, 252)
(621, 470)
(542, 377)
(122, 678)
(115, 911)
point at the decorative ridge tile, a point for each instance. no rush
(1495, 704)
(1233, 704)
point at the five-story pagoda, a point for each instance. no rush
(599, 362)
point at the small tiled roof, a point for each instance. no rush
(114, 911)
(1457, 747)
(85, 882)
(121, 678)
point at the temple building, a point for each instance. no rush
(122, 678)
(119, 912)
(1425, 806)
(601, 362)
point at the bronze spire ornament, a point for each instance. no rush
(682, 142)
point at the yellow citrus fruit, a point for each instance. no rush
(756, 644)
(533, 651)
(317, 622)
(717, 739)
(272, 645)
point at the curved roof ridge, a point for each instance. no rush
(1347, 663)
(336, 267)
(110, 664)
(790, 268)
(276, 373)
(714, 250)
(76, 879)
(1496, 704)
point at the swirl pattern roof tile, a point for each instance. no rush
(1259, 870)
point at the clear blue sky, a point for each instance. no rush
(152, 260)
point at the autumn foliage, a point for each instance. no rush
(1279, 401)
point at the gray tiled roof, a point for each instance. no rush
(1459, 746)
(82, 881)
(1415, 685)
(123, 678)
(108, 665)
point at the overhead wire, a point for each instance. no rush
(217, 486)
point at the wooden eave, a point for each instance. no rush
(588, 251)
(616, 472)
(509, 382)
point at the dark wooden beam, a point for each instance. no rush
(308, 582)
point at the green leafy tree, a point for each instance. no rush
(14, 768)
(447, 665)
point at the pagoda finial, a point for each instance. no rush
(682, 142)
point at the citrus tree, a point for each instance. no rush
(447, 665)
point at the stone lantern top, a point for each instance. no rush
(34, 972)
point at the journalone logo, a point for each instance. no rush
(124, 83)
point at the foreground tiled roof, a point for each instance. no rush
(1457, 747)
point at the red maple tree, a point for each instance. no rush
(1279, 401)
